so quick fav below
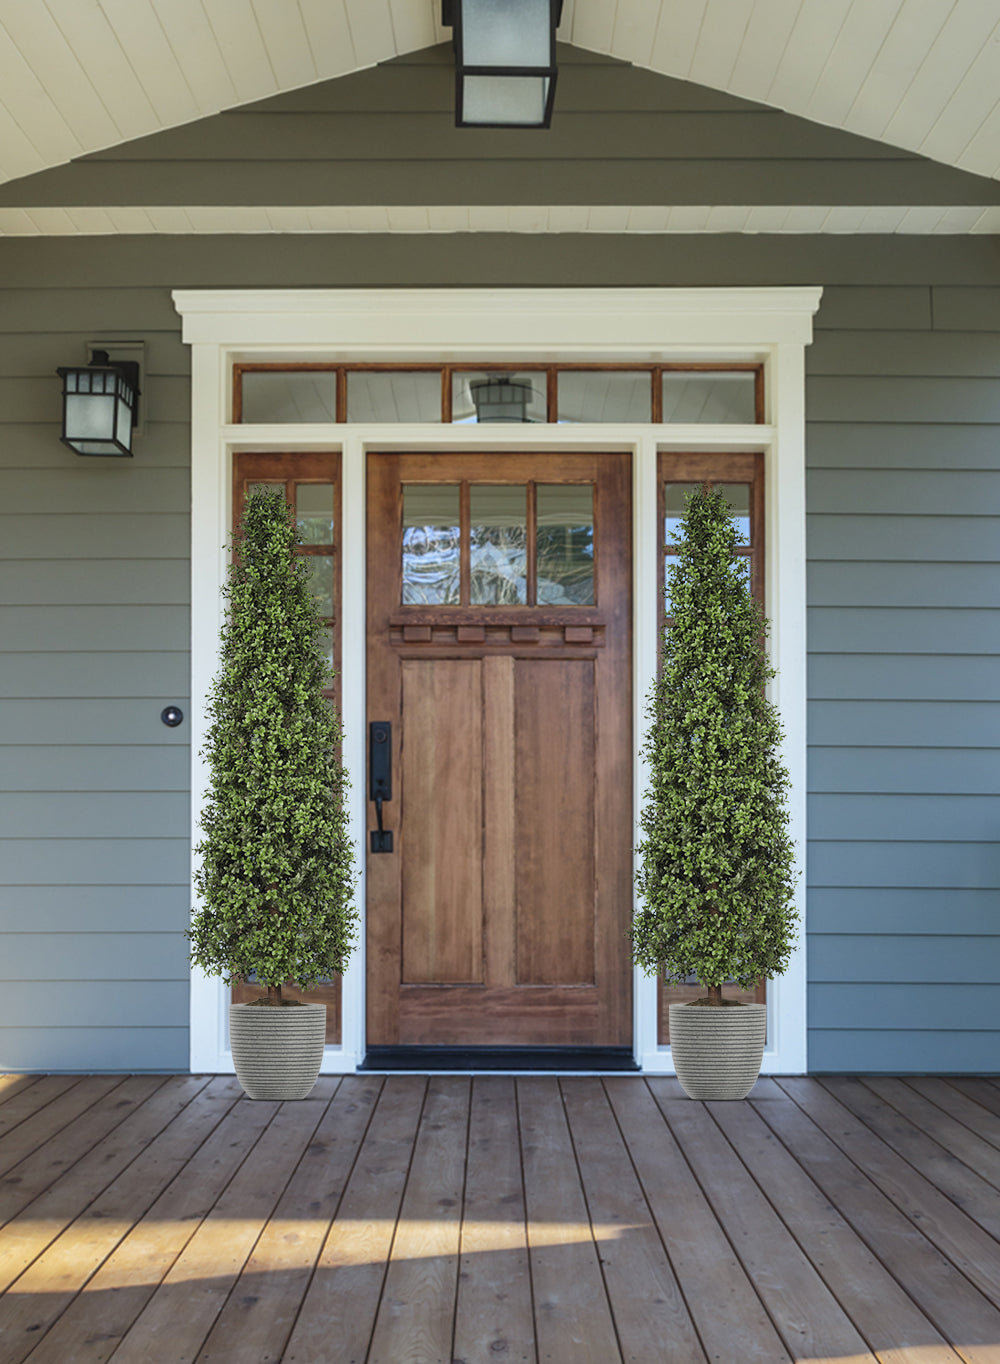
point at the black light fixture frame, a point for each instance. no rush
(451, 17)
(127, 372)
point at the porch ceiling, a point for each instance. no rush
(77, 76)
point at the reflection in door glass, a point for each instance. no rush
(565, 539)
(319, 575)
(499, 540)
(431, 544)
(314, 513)
(738, 497)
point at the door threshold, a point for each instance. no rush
(471, 1059)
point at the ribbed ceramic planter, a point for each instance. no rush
(717, 1052)
(277, 1052)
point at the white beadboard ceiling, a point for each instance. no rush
(80, 75)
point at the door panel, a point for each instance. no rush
(499, 648)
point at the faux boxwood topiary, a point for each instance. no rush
(716, 879)
(276, 879)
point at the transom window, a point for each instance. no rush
(499, 393)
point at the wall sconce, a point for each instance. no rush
(505, 61)
(100, 405)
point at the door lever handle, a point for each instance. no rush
(380, 779)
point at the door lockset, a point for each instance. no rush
(380, 779)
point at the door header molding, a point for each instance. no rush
(522, 322)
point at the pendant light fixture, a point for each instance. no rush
(505, 61)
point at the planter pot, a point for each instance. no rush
(717, 1052)
(277, 1052)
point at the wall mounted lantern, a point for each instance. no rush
(500, 399)
(505, 61)
(100, 404)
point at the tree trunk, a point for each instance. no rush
(715, 995)
(274, 996)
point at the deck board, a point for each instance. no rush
(417, 1220)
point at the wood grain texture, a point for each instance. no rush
(493, 1308)
(501, 917)
(556, 765)
(441, 801)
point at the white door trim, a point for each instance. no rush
(638, 326)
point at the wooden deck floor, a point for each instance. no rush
(415, 1220)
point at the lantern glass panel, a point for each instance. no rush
(514, 100)
(506, 33)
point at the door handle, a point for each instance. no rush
(380, 779)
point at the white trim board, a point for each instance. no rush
(532, 219)
(628, 326)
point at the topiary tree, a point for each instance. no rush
(276, 880)
(716, 874)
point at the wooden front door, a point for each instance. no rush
(499, 650)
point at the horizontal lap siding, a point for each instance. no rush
(94, 642)
(903, 397)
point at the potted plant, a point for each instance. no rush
(716, 877)
(276, 879)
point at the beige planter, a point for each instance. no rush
(277, 1052)
(717, 1052)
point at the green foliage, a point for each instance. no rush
(276, 882)
(716, 874)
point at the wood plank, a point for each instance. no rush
(887, 1317)
(723, 1302)
(647, 1303)
(416, 1316)
(49, 1285)
(37, 1152)
(951, 1232)
(339, 1309)
(808, 1317)
(261, 1311)
(25, 1102)
(493, 1312)
(937, 1164)
(442, 845)
(15, 1084)
(111, 1181)
(94, 1325)
(555, 749)
(573, 1321)
(498, 834)
(184, 1307)
(980, 1091)
(948, 1118)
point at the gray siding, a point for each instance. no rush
(904, 675)
(903, 493)
(94, 626)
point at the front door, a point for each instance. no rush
(499, 652)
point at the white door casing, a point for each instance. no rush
(639, 326)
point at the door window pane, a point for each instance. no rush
(675, 505)
(499, 397)
(498, 548)
(431, 544)
(605, 396)
(289, 396)
(319, 572)
(314, 512)
(738, 497)
(394, 396)
(693, 396)
(565, 540)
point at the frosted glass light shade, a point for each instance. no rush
(505, 62)
(99, 402)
